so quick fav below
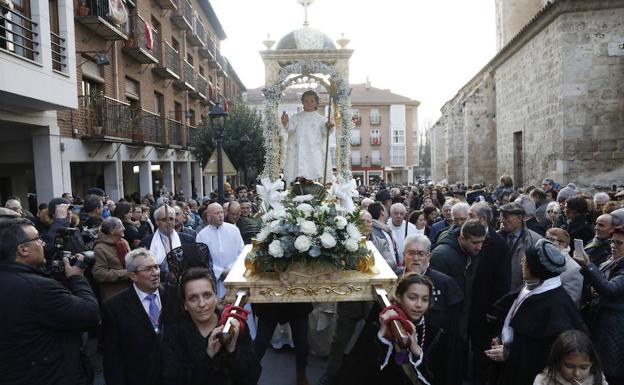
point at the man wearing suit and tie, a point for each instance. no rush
(132, 324)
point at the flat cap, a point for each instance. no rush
(512, 208)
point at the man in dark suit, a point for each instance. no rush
(132, 325)
(492, 280)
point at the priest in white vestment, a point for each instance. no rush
(224, 241)
(397, 224)
(307, 136)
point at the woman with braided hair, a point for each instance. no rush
(192, 352)
(378, 360)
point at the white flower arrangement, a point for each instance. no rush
(311, 231)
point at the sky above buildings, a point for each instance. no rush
(423, 49)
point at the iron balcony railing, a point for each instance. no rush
(219, 58)
(199, 29)
(18, 33)
(106, 117)
(176, 132)
(101, 9)
(172, 58)
(151, 127)
(59, 58)
(140, 36)
(201, 85)
(189, 74)
(376, 161)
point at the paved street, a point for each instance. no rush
(278, 368)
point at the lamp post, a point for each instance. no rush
(244, 139)
(218, 114)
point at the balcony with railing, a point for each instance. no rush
(375, 140)
(59, 56)
(150, 129)
(376, 160)
(357, 120)
(356, 140)
(108, 23)
(166, 4)
(18, 34)
(207, 51)
(201, 85)
(187, 82)
(197, 36)
(141, 44)
(168, 66)
(175, 132)
(182, 17)
(375, 119)
(219, 59)
(106, 119)
(191, 132)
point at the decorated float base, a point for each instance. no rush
(312, 282)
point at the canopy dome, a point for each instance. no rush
(306, 38)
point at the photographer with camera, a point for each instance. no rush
(41, 319)
(59, 210)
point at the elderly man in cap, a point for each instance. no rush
(529, 214)
(518, 238)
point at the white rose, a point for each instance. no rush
(353, 231)
(302, 243)
(279, 213)
(328, 241)
(275, 226)
(351, 244)
(275, 249)
(308, 227)
(306, 209)
(268, 217)
(341, 222)
(263, 234)
(303, 198)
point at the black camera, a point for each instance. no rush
(62, 248)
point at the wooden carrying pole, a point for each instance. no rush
(401, 337)
(329, 112)
(228, 331)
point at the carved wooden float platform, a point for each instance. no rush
(310, 283)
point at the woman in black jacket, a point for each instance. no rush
(607, 310)
(532, 318)
(192, 353)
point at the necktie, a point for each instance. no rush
(154, 312)
(511, 241)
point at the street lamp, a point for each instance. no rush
(216, 114)
(244, 139)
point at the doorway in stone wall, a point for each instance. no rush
(518, 159)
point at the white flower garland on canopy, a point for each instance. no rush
(339, 91)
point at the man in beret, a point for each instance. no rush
(518, 238)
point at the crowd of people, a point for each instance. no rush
(497, 285)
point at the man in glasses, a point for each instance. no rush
(166, 238)
(132, 324)
(41, 319)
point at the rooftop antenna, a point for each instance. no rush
(305, 4)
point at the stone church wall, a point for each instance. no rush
(438, 150)
(593, 96)
(480, 133)
(529, 89)
(455, 142)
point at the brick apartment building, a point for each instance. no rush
(137, 77)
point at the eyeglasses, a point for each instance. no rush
(151, 268)
(617, 242)
(420, 254)
(555, 240)
(37, 239)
